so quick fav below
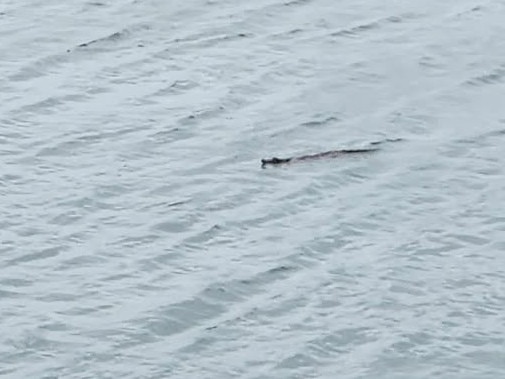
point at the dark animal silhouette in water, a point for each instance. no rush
(327, 154)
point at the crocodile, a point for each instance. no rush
(326, 154)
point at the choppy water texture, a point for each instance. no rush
(141, 239)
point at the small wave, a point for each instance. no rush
(113, 37)
(373, 25)
(296, 2)
(493, 77)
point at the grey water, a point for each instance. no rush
(140, 237)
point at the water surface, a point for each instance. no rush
(140, 237)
